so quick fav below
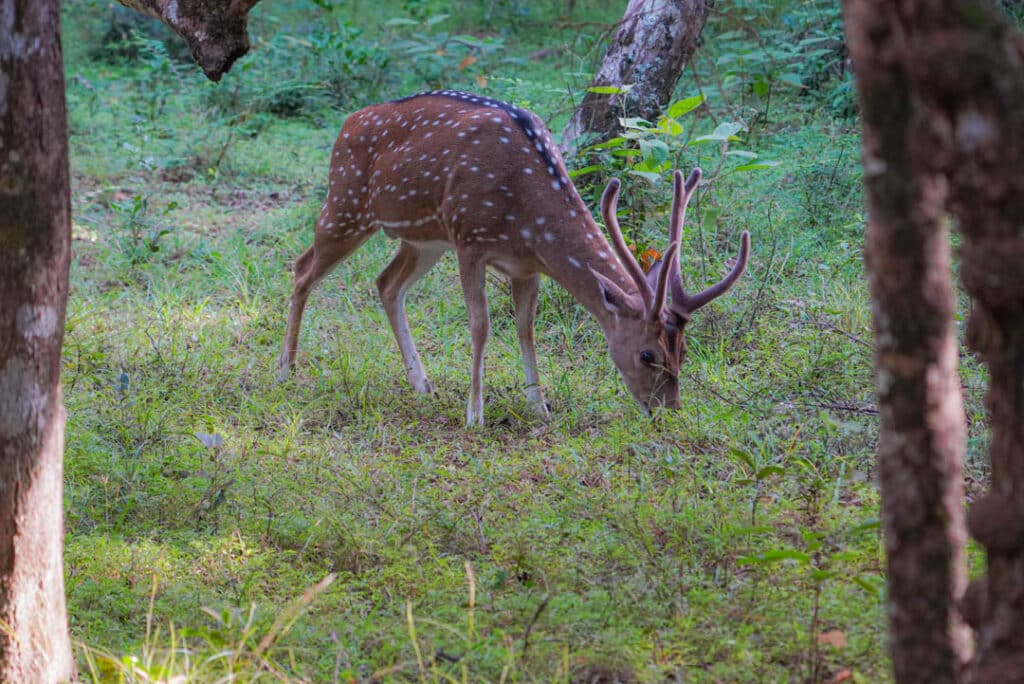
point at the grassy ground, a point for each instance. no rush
(209, 507)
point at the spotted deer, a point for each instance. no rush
(448, 170)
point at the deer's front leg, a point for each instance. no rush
(524, 298)
(472, 272)
(310, 267)
(408, 266)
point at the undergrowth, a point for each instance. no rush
(338, 527)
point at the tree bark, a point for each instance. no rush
(214, 29)
(955, 70)
(972, 74)
(35, 233)
(652, 46)
(923, 431)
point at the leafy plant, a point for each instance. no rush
(646, 154)
(766, 47)
(121, 33)
(829, 191)
(822, 558)
(334, 65)
(141, 230)
(438, 58)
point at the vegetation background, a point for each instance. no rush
(338, 527)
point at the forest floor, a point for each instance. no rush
(340, 527)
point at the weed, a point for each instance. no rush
(141, 232)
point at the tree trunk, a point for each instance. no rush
(974, 76)
(214, 29)
(35, 232)
(652, 46)
(957, 67)
(922, 438)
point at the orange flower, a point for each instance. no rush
(649, 258)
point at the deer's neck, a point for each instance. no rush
(571, 260)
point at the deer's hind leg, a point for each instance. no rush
(472, 273)
(524, 298)
(336, 237)
(409, 265)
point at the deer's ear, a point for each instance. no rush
(654, 272)
(678, 319)
(615, 300)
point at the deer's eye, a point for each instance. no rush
(647, 357)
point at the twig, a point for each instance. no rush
(533, 621)
(767, 270)
(832, 327)
(832, 406)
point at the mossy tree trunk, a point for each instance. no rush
(652, 46)
(35, 244)
(941, 86)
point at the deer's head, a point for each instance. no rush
(645, 329)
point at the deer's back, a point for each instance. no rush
(452, 166)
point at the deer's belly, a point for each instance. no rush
(422, 229)
(518, 268)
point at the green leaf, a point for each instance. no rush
(650, 165)
(726, 130)
(813, 41)
(811, 537)
(585, 170)
(775, 556)
(761, 86)
(792, 79)
(757, 165)
(655, 152)
(468, 41)
(653, 178)
(845, 556)
(743, 457)
(874, 588)
(609, 90)
(681, 107)
(670, 126)
(768, 471)
(436, 19)
(870, 524)
(401, 21)
(613, 142)
(635, 123)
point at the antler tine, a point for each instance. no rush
(661, 290)
(681, 194)
(688, 305)
(609, 204)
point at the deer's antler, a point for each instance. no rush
(687, 304)
(609, 205)
(683, 304)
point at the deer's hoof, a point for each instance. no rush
(284, 371)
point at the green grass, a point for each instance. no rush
(206, 502)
